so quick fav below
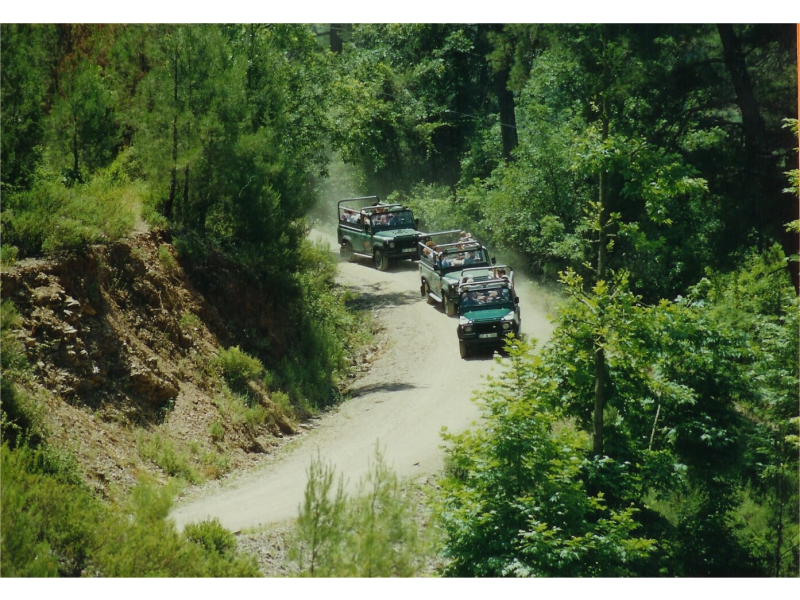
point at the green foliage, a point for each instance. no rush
(404, 102)
(189, 321)
(8, 255)
(163, 453)
(239, 368)
(211, 535)
(166, 259)
(84, 132)
(699, 448)
(373, 534)
(144, 543)
(217, 431)
(25, 58)
(48, 526)
(52, 527)
(51, 217)
(327, 332)
(21, 417)
(516, 501)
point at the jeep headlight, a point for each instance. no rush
(506, 325)
(465, 324)
(391, 244)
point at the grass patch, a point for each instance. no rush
(162, 452)
(189, 321)
(165, 258)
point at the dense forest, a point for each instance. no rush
(650, 171)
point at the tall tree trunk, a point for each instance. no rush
(173, 184)
(508, 119)
(174, 180)
(766, 177)
(75, 163)
(600, 374)
(335, 38)
(600, 368)
(752, 125)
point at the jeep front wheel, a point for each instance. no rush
(449, 307)
(463, 349)
(426, 291)
(346, 252)
(381, 262)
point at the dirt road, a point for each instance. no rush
(416, 386)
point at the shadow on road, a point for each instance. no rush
(397, 266)
(381, 387)
(372, 297)
(487, 354)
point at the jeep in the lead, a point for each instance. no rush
(383, 232)
(441, 266)
(488, 309)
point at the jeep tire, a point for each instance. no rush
(346, 252)
(449, 307)
(381, 261)
(426, 291)
(463, 348)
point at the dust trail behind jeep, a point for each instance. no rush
(370, 228)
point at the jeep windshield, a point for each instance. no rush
(489, 297)
(464, 259)
(400, 219)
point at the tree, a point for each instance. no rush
(26, 56)
(515, 500)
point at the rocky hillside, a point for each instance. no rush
(123, 342)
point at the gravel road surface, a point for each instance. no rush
(416, 385)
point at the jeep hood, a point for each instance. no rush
(393, 233)
(486, 314)
(452, 277)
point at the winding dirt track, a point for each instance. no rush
(416, 386)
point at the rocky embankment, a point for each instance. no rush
(121, 339)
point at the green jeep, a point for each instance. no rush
(441, 267)
(488, 309)
(383, 232)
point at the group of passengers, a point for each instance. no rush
(491, 296)
(352, 217)
(461, 258)
(381, 217)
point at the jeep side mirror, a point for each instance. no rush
(416, 224)
(516, 299)
(494, 260)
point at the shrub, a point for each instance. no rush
(162, 452)
(8, 255)
(372, 535)
(238, 368)
(48, 526)
(217, 431)
(138, 541)
(189, 320)
(211, 535)
(51, 217)
(166, 259)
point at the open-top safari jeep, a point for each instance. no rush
(384, 232)
(441, 266)
(488, 308)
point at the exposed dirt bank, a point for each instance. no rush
(121, 338)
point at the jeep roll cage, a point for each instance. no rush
(494, 276)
